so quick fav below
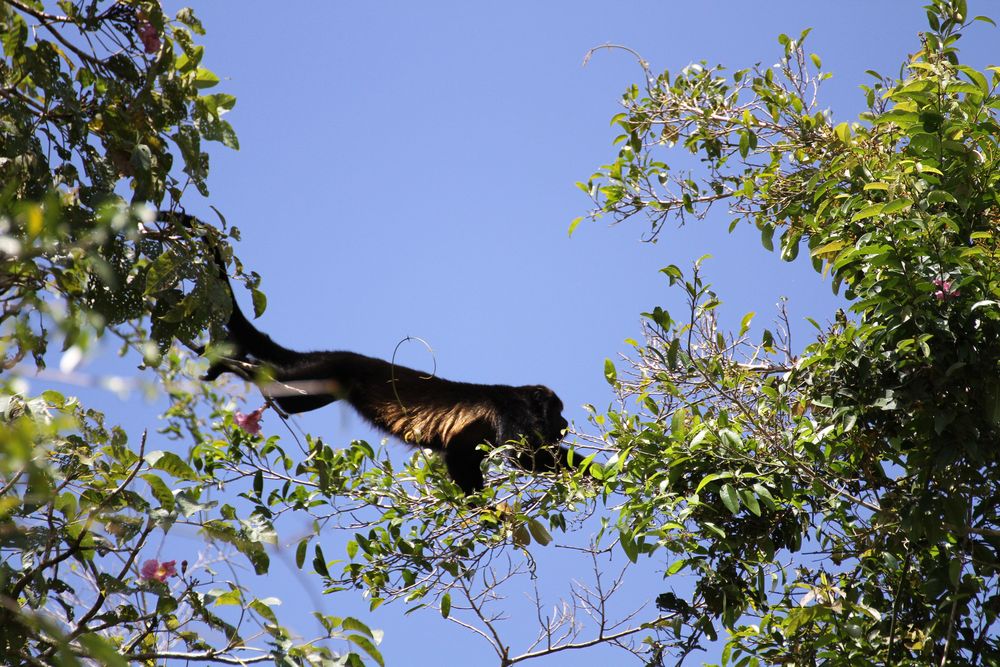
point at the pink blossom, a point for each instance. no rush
(251, 422)
(154, 569)
(149, 37)
(944, 290)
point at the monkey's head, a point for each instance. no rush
(546, 425)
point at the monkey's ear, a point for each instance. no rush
(540, 393)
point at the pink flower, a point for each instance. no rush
(154, 569)
(251, 422)
(944, 290)
(149, 37)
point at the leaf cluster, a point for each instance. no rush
(104, 115)
(875, 445)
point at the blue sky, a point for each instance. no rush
(408, 169)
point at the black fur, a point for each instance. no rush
(452, 418)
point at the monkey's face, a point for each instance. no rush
(548, 425)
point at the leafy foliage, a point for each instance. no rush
(875, 446)
(834, 503)
(103, 115)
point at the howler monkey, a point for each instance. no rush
(452, 418)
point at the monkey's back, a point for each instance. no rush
(420, 409)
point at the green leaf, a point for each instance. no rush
(628, 546)
(216, 104)
(660, 316)
(790, 241)
(901, 117)
(102, 650)
(867, 212)
(730, 498)
(767, 340)
(166, 605)
(673, 353)
(223, 132)
(963, 87)
(984, 303)
(160, 491)
(171, 463)
(521, 536)
(54, 398)
(955, 571)
(922, 167)
(843, 132)
(351, 624)
(677, 422)
(745, 322)
(319, 562)
(711, 477)
(767, 237)
(673, 273)
(368, 646)
(750, 500)
(300, 553)
(961, 9)
(264, 609)
(831, 248)
(897, 205)
(539, 533)
(610, 374)
(940, 197)
(976, 76)
(765, 495)
(713, 528)
(205, 79)
(731, 438)
(445, 605)
(162, 273)
(142, 158)
(232, 597)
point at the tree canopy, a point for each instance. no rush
(831, 503)
(874, 448)
(104, 115)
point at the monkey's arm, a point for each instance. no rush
(464, 460)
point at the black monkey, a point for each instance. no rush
(452, 418)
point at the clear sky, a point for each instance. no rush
(408, 169)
